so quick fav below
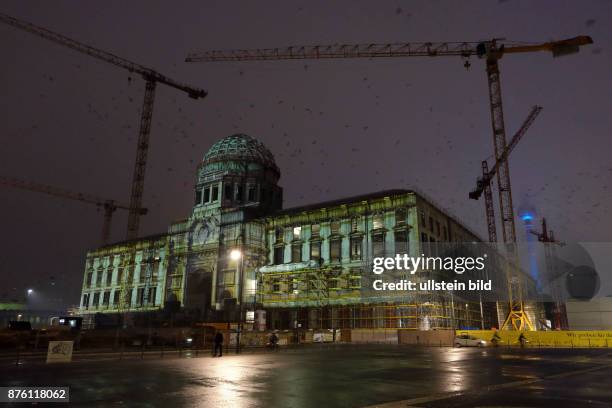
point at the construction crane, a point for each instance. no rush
(110, 206)
(547, 237)
(491, 51)
(483, 184)
(151, 78)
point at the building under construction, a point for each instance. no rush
(240, 256)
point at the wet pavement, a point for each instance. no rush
(336, 376)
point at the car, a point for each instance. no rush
(465, 340)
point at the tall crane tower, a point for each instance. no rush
(109, 206)
(491, 51)
(151, 78)
(483, 184)
(547, 237)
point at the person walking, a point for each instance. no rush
(496, 339)
(218, 344)
(274, 341)
(522, 340)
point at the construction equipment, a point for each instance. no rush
(491, 51)
(483, 184)
(547, 237)
(110, 206)
(151, 78)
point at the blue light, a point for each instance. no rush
(527, 217)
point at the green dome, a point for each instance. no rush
(240, 148)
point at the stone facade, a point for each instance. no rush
(307, 267)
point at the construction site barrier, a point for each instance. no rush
(388, 336)
(560, 339)
(427, 337)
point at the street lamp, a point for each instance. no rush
(30, 291)
(235, 254)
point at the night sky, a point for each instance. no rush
(337, 127)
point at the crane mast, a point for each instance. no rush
(109, 206)
(491, 51)
(483, 184)
(151, 78)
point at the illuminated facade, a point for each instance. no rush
(189, 268)
(306, 267)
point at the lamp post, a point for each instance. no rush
(237, 255)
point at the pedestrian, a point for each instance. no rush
(496, 339)
(274, 341)
(218, 344)
(522, 340)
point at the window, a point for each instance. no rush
(356, 243)
(239, 193)
(96, 299)
(296, 253)
(106, 298)
(119, 276)
(86, 300)
(401, 242)
(140, 296)
(206, 195)
(335, 227)
(438, 228)
(89, 279)
(99, 278)
(215, 193)
(151, 295)
(229, 189)
(279, 255)
(229, 276)
(355, 282)
(400, 216)
(251, 193)
(354, 224)
(198, 197)
(276, 286)
(278, 234)
(116, 297)
(445, 232)
(315, 250)
(335, 250)
(315, 230)
(109, 277)
(378, 245)
(378, 221)
(431, 224)
(425, 247)
(297, 232)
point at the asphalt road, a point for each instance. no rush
(335, 376)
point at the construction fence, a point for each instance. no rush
(553, 339)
